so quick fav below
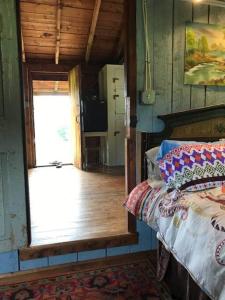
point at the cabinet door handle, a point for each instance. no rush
(116, 132)
(115, 96)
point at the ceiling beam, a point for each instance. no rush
(58, 30)
(92, 29)
(49, 68)
(49, 76)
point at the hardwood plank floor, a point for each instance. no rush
(68, 204)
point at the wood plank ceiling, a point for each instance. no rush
(46, 87)
(72, 31)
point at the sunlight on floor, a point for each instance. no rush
(70, 204)
(52, 121)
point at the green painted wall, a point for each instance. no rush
(167, 20)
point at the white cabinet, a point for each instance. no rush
(112, 90)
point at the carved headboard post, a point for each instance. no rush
(203, 124)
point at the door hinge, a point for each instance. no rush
(133, 121)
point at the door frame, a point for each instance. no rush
(130, 148)
(131, 104)
(77, 138)
(32, 72)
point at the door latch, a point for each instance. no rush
(115, 79)
(116, 132)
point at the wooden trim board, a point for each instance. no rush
(33, 252)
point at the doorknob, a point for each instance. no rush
(116, 132)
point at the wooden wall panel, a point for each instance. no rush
(12, 187)
(3, 162)
(181, 98)
(167, 26)
(162, 44)
(1, 86)
(143, 113)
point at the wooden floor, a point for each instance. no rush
(68, 204)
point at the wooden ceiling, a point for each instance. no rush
(50, 87)
(72, 31)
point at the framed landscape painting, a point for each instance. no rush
(204, 54)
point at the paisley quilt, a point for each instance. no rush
(191, 225)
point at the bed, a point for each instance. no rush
(190, 221)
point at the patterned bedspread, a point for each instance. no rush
(191, 225)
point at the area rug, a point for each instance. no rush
(130, 281)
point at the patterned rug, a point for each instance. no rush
(130, 281)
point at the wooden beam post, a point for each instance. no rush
(92, 29)
(58, 30)
(58, 33)
(23, 49)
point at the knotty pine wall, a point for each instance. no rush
(167, 40)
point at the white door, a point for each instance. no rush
(13, 232)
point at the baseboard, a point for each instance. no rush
(54, 271)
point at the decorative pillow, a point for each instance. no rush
(137, 195)
(194, 166)
(153, 164)
(168, 145)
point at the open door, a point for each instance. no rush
(13, 222)
(74, 83)
(29, 118)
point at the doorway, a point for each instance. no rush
(79, 208)
(68, 56)
(52, 126)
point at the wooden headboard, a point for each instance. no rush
(204, 124)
